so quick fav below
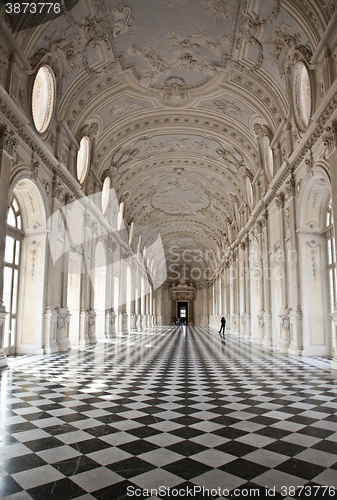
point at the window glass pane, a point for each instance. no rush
(11, 219)
(13, 330)
(329, 252)
(15, 205)
(17, 252)
(15, 290)
(7, 287)
(18, 220)
(9, 251)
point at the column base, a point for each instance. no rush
(296, 344)
(91, 337)
(50, 325)
(62, 333)
(283, 343)
(333, 363)
(268, 336)
(110, 319)
(123, 323)
(3, 359)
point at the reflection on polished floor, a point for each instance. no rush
(175, 407)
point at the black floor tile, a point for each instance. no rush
(131, 467)
(76, 465)
(24, 462)
(284, 448)
(187, 468)
(43, 444)
(90, 445)
(143, 432)
(101, 430)
(64, 489)
(327, 446)
(299, 468)
(8, 486)
(186, 448)
(138, 447)
(244, 468)
(236, 448)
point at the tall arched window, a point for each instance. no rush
(331, 260)
(14, 237)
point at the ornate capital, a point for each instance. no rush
(260, 131)
(280, 200)
(290, 187)
(259, 226)
(91, 131)
(35, 170)
(57, 189)
(330, 139)
(264, 218)
(7, 141)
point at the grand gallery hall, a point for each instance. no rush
(166, 165)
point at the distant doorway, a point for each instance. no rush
(182, 311)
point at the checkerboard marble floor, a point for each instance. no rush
(173, 407)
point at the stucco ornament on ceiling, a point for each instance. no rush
(173, 3)
(180, 195)
(177, 143)
(173, 49)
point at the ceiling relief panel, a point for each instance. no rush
(230, 107)
(180, 195)
(120, 108)
(163, 145)
(187, 40)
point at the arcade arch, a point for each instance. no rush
(25, 269)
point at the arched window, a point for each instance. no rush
(83, 159)
(14, 237)
(106, 193)
(329, 234)
(43, 98)
(302, 96)
(120, 216)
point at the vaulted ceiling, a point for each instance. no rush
(170, 91)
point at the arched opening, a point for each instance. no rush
(316, 301)
(100, 289)
(15, 235)
(25, 270)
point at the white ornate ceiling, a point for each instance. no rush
(175, 88)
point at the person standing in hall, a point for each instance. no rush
(223, 326)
